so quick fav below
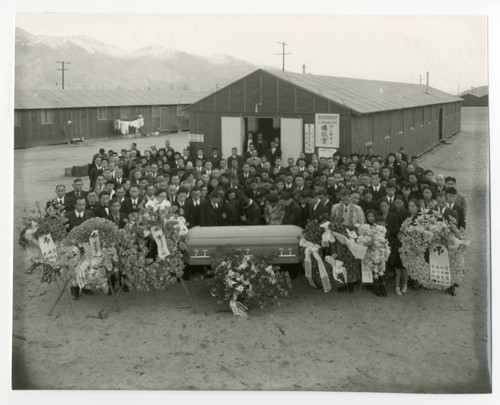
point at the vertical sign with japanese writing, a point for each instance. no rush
(327, 128)
(366, 273)
(48, 247)
(309, 138)
(439, 263)
(161, 242)
(95, 243)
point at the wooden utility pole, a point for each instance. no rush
(62, 70)
(283, 53)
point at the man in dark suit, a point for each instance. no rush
(102, 210)
(260, 145)
(210, 211)
(193, 206)
(133, 203)
(293, 213)
(234, 156)
(451, 196)
(234, 184)
(440, 183)
(95, 171)
(305, 207)
(92, 200)
(273, 153)
(79, 214)
(119, 177)
(115, 215)
(325, 199)
(251, 214)
(245, 174)
(390, 192)
(77, 190)
(376, 189)
(61, 201)
(460, 199)
(317, 208)
(442, 208)
(215, 158)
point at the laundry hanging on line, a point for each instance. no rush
(123, 126)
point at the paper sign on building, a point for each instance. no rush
(196, 137)
(327, 130)
(309, 138)
(48, 247)
(161, 242)
(439, 263)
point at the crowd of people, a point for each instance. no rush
(257, 187)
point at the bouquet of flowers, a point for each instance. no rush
(341, 252)
(417, 236)
(80, 234)
(373, 237)
(248, 280)
(83, 269)
(137, 249)
(38, 221)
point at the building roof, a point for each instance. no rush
(364, 96)
(41, 99)
(367, 96)
(476, 91)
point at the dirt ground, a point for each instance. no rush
(425, 341)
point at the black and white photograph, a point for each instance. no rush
(237, 201)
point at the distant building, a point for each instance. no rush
(40, 116)
(385, 115)
(476, 97)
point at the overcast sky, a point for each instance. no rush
(452, 48)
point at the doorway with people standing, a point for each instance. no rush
(270, 128)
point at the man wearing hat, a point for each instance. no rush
(251, 213)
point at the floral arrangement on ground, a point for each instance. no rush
(251, 280)
(138, 249)
(418, 235)
(132, 251)
(373, 237)
(38, 221)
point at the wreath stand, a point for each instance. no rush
(378, 284)
(61, 292)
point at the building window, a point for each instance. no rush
(124, 112)
(47, 116)
(17, 118)
(156, 111)
(102, 113)
(180, 110)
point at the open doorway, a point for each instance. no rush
(270, 128)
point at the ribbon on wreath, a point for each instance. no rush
(238, 308)
(327, 236)
(313, 248)
(337, 269)
(180, 224)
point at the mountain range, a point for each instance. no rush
(98, 65)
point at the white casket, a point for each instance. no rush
(279, 241)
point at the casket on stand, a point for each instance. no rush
(279, 241)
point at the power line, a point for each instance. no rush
(283, 53)
(62, 70)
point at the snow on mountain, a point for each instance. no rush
(156, 52)
(96, 64)
(88, 44)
